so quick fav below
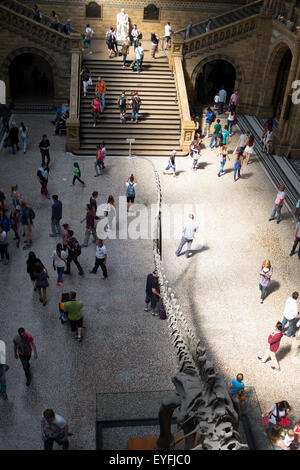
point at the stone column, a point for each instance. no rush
(73, 123)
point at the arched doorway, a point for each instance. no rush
(281, 82)
(212, 76)
(31, 78)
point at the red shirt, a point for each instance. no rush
(24, 344)
(274, 340)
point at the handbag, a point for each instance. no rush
(265, 421)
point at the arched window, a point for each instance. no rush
(151, 13)
(2, 92)
(93, 10)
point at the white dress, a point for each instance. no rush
(249, 149)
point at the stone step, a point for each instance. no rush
(140, 127)
(124, 152)
(168, 94)
(112, 106)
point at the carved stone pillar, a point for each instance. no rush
(73, 123)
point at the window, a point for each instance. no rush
(151, 13)
(93, 10)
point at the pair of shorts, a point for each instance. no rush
(76, 324)
(109, 45)
(151, 299)
(86, 41)
(130, 199)
(168, 38)
(122, 109)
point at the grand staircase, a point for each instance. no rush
(158, 131)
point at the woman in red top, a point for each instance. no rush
(274, 342)
(96, 109)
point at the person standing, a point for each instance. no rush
(31, 260)
(208, 122)
(196, 152)
(152, 293)
(296, 240)
(290, 313)
(98, 165)
(42, 175)
(88, 38)
(188, 31)
(3, 245)
(54, 428)
(93, 202)
(26, 221)
(238, 165)
(13, 137)
(122, 104)
(222, 157)
(23, 345)
(44, 148)
(96, 109)
(242, 142)
(73, 309)
(154, 45)
(265, 274)
(90, 225)
(274, 342)
(67, 27)
(77, 174)
(55, 21)
(222, 99)
(74, 250)
(234, 101)
(24, 134)
(115, 42)
(109, 41)
(230, 121)
(139, 56)
(171, 163)
(59, 263)
(249, 150)
(3, 369)
(100, 91)
(130, 191)
(276, 413)
(101, 259)
(135, 33)
(135, 104)
(208, 26)
(37, 14)
(125, 50)
(168, 34)
(14, 223)
(278, 204)
(56, 216)
(64, 235)
(110, 212)
(86, 79)
(214, 137)
(189, 230)
(40, 276)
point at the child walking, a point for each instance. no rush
(77, 174)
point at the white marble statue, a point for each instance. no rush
(122, 25)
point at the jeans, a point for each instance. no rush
(24, 139)
(213, 140)
(220, 107)
(96, 115)
(55, 227)
(99, 167)
(49, 441)
(135, 43)
(291, 325)
(183, 241)
(45, 154)
(222, 164)
(26, 365)
(134, 115)
(102, 99)
(169, 165)
(100, 262)
(295, 246)
(277, 209)
(2, 384)
(69, 261)
(44, 189)
(4, 251)
(60, 272)
(139, 63)
(87, 235)
(238, 172)
(230, 124)
(124, 59)
(263, 291)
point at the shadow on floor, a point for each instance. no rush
(274, 286)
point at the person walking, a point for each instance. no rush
(87, 40)
(276, 413)
(74, 250)
(222, 157)
(40, 276)
(24, 135)
(171, 163)
(14, 223)
(189, 230)
(222, 99)
(31, 261)
(86, 79)
(208, 26)
(152, 293)
(125, 50)
(230, 121)
(77, 174)
(214, 137)
(56, 217)
(168, 34)
(135, 33)
(296, 240)
(195, 152)
(110, 212)
(101, 259)
(42, 175)
(23, 344)
(96, 109)
(44, 146)
(122, 104)
(73, 309)
(290, 313)
(225, 136)
(90, 225)
(59, 258)
(268, 142)
(3, 246)
(13, 137)
(274, 342)
(265, 274)
(100, 90)
(55, 21)
(115, 42)
(238, 165)
(135, 105)
(109, 42)
(64, 235)
(139, 57)
(208, 121)
(242, 142)
(54, 428)
(233, 102)
(3, 369)
(154, 45)
(93, 202)
(249, 150)
(37, 14)
(98, 165)
(130, 191)
(278, 204)
(26, 221)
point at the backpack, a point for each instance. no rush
(108, 36)
(130, 189)
(122, 101)
(162, 312)
(212, 117)
(31, 214)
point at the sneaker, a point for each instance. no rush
(292, 253)
(94, 125)
(26, 247)
(206, 136)
(52, 235)
(154, 314)
(275, 368)
(277, 221)
(270, 219)
(81, 273)
(259, 358)
(92, 272)
(146, 309)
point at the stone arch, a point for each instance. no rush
(211, 58)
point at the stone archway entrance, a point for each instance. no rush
(281, 82)
(31, 78)
(211, 77)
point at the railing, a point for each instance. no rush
(210, 409)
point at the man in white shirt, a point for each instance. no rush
(188, 231)
(139, 55)
(290, 313)
(54, 428)
(243, 139)
(101, 258)
(135, 35)
(168, 32)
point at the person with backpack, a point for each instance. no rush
(3, 245)
(77, 174)
(214, 137)
(40, 276)
(171, 163)
(74, 250)
(86, 79)
(42, 175)
(276, 413)
(122, 104)
(130, 191)
(154, 45)
(87, 40)
(26, 217)
(90, 225)
(139, 56)
(109, 41)
(44, 148)
(135, 105)
(99, 162)
(59, 258)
